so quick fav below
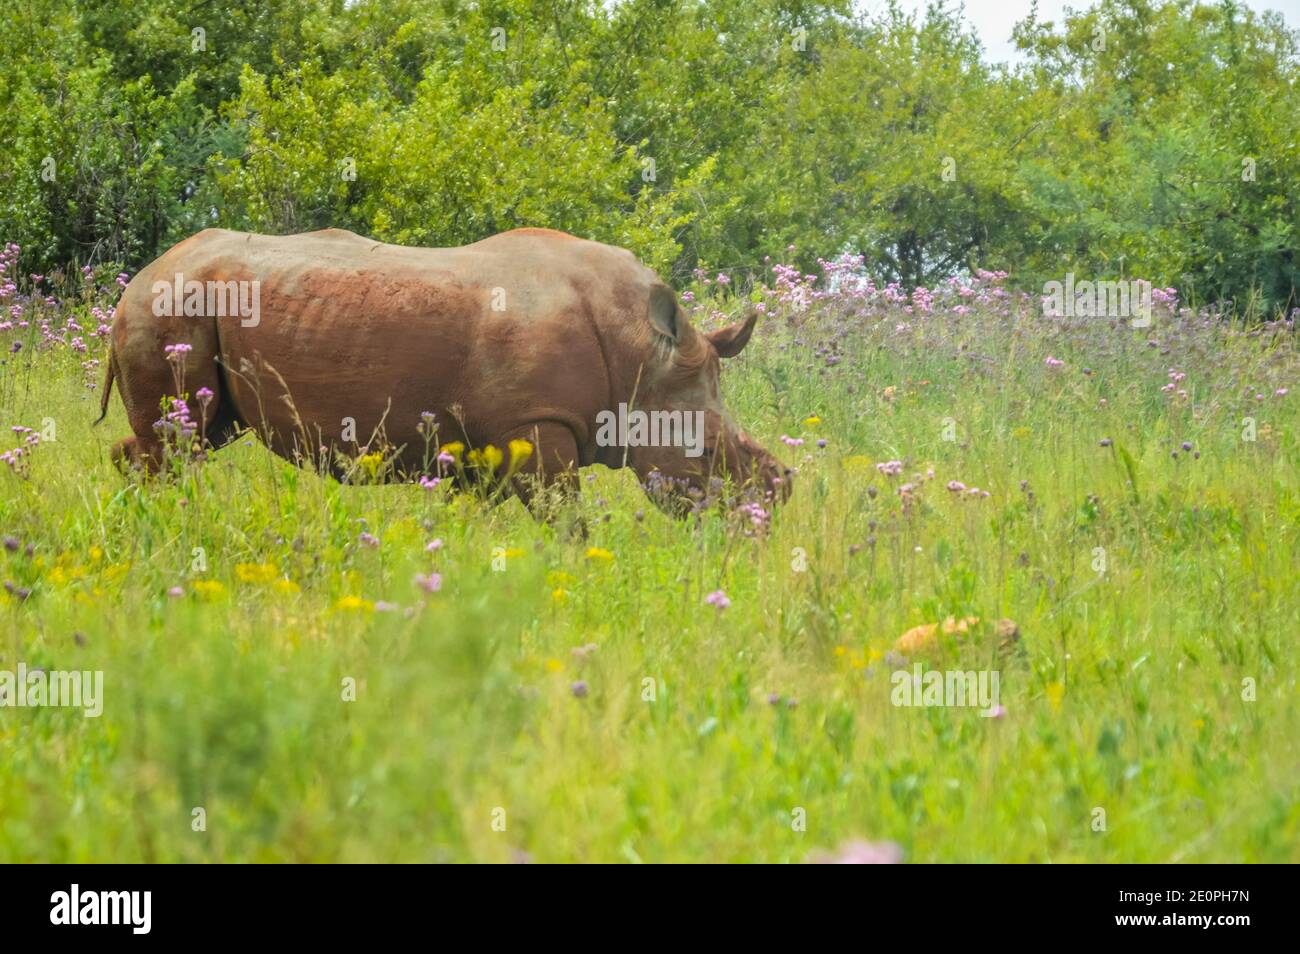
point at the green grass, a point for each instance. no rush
(1126, 695)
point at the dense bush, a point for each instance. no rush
(1140, 137)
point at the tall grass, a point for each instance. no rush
(583, 706)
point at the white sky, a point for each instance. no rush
(993, 19)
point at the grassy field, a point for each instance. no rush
(562, 700)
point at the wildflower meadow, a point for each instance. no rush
(295, 668)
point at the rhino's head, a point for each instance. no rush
(679, 393)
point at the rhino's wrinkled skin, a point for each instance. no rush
(529, 334)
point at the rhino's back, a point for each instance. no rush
(358, 329)
(528, 265)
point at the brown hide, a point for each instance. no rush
(531, 334)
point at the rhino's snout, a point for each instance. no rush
(779, 483)
(775, 477)
(764, 469)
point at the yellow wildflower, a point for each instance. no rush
(559, 596)
(455, 448)
(554, 665)
(599, 553)
(559, 578)
(209, 589)
(812, 421)
(285, 586)
(372, 464)
(489, 458)
(520, 451)
(256, 572)
(354, 604)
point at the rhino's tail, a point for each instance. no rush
(108, 385)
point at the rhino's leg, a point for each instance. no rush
(146, 379)
(553, 466)
(130, 454)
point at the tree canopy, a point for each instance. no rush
(1139, 138)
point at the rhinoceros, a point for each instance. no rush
(322, 340)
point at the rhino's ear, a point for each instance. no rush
(663, 312)
(729, 341)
